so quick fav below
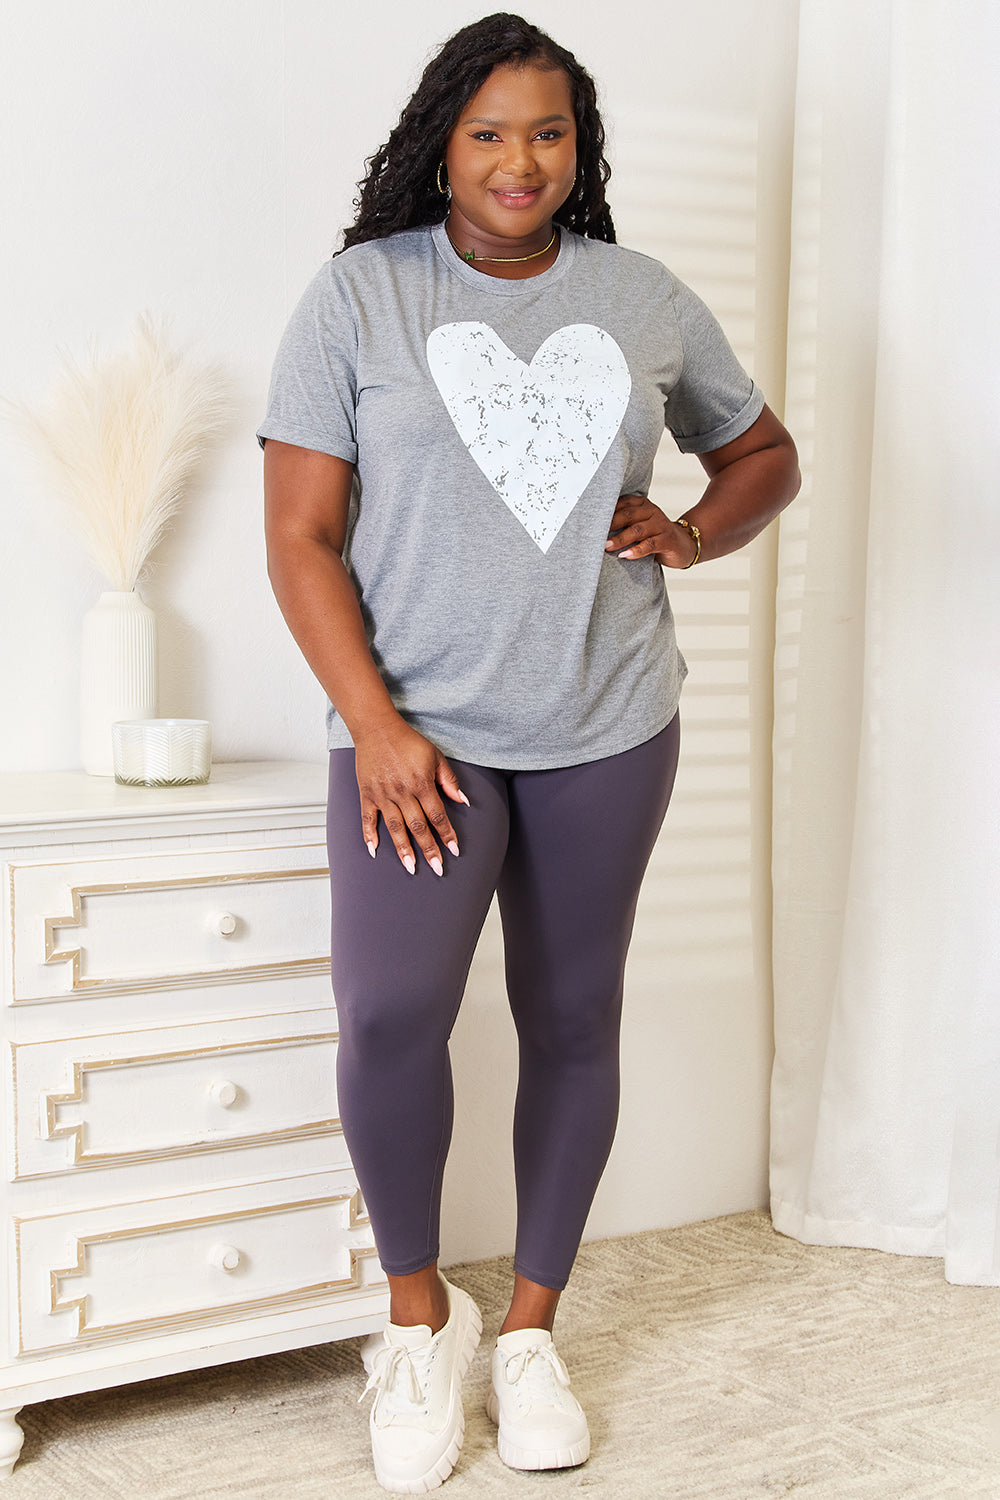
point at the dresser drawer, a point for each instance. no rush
(160, 921)
(204, 1258)
(167, 1093)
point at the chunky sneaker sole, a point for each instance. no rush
(539, 1428)
(533, 1458)
(410, 1477)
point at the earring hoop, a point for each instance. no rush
(445, 191)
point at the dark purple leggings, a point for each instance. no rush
(565, 850)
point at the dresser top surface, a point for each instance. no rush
(33, 797)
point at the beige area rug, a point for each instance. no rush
(718, 1361)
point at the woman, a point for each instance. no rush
(461, 430)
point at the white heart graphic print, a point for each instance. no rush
(538, 432)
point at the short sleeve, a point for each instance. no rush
(714, 400)
(313, 393)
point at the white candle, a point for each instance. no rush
(162, 752)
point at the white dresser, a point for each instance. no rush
(176, 1187)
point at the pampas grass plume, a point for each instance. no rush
(120, 438)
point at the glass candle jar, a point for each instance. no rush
(162, 752)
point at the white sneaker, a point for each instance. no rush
(416, 1420)
(541, 1423)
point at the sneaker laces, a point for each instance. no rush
(538, 1372)
(397, 1383)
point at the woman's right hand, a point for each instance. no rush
(399, 773)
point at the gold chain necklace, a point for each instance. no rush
(499, 260)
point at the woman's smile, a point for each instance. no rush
(516, 197)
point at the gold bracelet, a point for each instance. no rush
(690, 526)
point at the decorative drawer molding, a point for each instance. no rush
(205, 1258)
(100, 1101)
(166, 921)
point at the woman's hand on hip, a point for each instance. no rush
(399, 773)
(640, 529)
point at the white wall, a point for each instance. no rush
(198, 160)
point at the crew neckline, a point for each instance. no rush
(500, 286)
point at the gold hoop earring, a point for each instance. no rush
(442, 189)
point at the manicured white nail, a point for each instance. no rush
(452, 847)
(463, 798)
(628, 553)
(436, 865)
(409, 864)
(371, 847)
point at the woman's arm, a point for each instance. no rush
(306, 501)
(751, 479)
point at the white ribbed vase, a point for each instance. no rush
(117, 676)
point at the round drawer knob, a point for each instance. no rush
(225, 923)
(223, 1092)
(225, 1257)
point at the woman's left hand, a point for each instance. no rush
(640, 529)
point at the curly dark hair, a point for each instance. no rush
(401, 190)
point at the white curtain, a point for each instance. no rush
(886, 1088)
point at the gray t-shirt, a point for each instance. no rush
(493, 425)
